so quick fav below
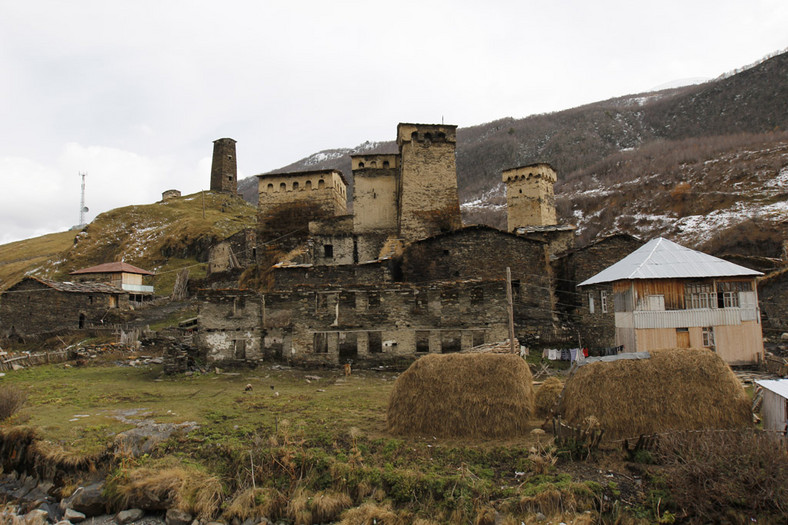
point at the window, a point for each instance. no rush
(385, 164)
(321, 184)
(603, 301)
(282, 187)
(708, 337)
(422, 341)
(655, 303)
(321, 343)
(328, 251)
(699, 295)
(308, 185)
(270, 188)
(375, 342)
(295, 186)
(590, 302)
(240, 349)
(360, 165)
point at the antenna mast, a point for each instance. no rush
(82, 207)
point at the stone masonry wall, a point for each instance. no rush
(224, 169)
(230, 327)
(429, 203)
(530, 199)
(597, 329)
(30, 308)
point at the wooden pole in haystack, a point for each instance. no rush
(510, 308)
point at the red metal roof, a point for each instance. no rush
(113, 267)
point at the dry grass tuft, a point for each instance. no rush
(255, 503)
(11, 400)
(189, 490)
(305, 508)
(547, 396)
(372, 514)
(676, 389)
(485, 516)
(462, 395)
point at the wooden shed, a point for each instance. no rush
(774, 411)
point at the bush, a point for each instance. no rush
(11, 400)
(710, 472)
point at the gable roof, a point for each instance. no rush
(662, 259)
(113, 267)
(70, 287)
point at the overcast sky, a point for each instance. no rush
(133, 92)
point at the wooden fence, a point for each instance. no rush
(40, 358)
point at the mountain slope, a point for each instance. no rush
(162, 237)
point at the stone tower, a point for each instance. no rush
(428, 180)
(530, 199)
(224, 170)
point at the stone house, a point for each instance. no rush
(668, 296)
(35, 306)
(772, 290)
(333, 325)
(590, 311)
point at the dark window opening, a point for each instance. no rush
(321, 343)
(240, 349)
(348, 346)
(295, 186)
(385, 164)
(321, 184)
(373, 300)
(282, 186)
(445, 252)
(360, 164)
(328, 251)
(451, 342)
(478, 338)
(229, 178)
(422, 341)
(81, 320)
(375, 342)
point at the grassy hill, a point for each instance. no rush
(163, 237)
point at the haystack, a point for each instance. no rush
(462, 395)
(547, 395)
(674, 389)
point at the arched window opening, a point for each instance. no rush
(308, 185)
(360, 164)
(282, 187)
(385, 164)
(295, 186)
(321, 184)
(270, 188)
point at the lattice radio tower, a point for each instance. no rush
(82, 208)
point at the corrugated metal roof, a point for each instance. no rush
(113, 267)
(662, 259)
(778, 386)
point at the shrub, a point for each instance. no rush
(709, 472)
(11, 400)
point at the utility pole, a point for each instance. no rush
(510, 308)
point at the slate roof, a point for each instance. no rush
(113, 267)
(87, 287)
(662, 259)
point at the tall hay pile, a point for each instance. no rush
(676, 389)
(547, 395)
(462, 395)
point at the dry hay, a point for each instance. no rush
(255, 503)
(306, 508)
(675, 389)
(462, 395)
(547, 395)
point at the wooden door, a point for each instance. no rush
(682, 338)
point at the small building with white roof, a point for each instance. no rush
(668, 296)
(774, 410)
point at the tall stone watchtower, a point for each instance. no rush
(530, 199)
(428, 180)
(224, 170)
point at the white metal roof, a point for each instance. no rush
(662, 259)
(778, 386)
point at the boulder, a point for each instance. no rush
(89, 500)
(127, 516)
(177, 517)
(74, 516)
(36, 517)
